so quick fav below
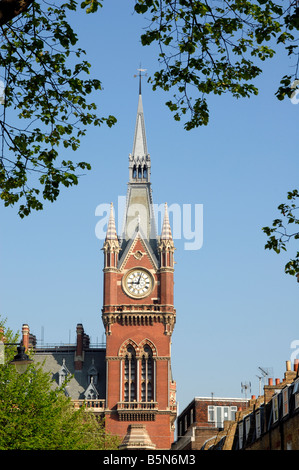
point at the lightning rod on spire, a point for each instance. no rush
(140, 70)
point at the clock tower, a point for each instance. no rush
(138, 313)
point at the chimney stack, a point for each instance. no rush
(82, 341)
(25, 336)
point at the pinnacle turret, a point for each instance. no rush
(111, 246)
(111, 229)
(166, 245)
(166, 229)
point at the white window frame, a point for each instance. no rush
(240, 428)
(191, 416)
(275, 408)
(212, 412)
(258, 428)
(285, 401)
(247, 425)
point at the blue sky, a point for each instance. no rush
(236, 309)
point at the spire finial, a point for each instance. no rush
(140, 70)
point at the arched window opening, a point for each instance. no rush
(134, 171)
(144, 171)
(130, 375)
(147, 375)
(139, 172)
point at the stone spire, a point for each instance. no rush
(111, 229)
(139, 159)
(139, 144)
(111, 244)
(166, 229)
(139, 213)
(166, 245)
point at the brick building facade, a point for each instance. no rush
(203, 418)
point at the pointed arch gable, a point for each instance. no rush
(138, 348)
(148, 342)
(123, 348)
(131, 248)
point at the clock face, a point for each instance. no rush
(138, 283)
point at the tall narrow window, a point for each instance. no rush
(275, 408)
(147, 375)
(130, 375)
(258, 428)
(285, 399)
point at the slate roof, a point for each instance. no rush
(54, 359)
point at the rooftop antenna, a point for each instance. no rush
(260, 387)
(265, 372)
(244, 387)
(140, 70)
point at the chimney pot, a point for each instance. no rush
(277, 381)
(296, 362)
(288, 365)
(270, 381)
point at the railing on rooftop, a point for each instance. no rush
(66, 346)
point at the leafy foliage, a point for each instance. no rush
(34, 415)
(44, 110)
(214, 47)
(280, 234)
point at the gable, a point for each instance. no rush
(138, 252)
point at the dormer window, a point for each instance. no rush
(91, 392)
(93, 374)
(63, 373)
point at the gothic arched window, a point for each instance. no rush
(144, 171)
(134, 171)
(147, 375)
(130, 375)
